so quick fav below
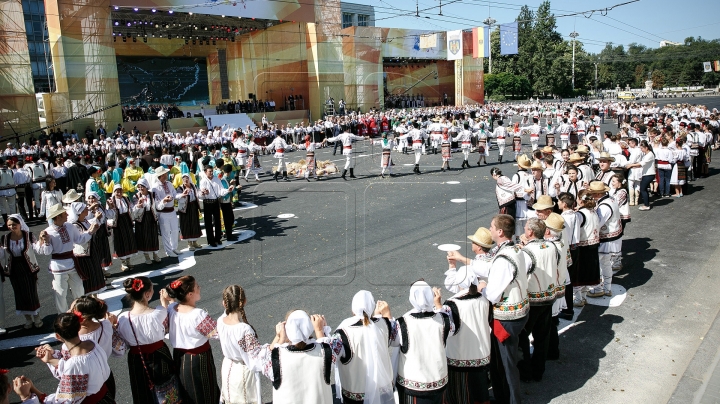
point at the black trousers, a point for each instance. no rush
(504, 359)
(24, 199)
(228, 218)
(211, 212)
(538, 324)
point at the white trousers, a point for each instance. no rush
(501, 147)
(564, 143)
(61, 283)
(418, 153)
(606, 271)
(169, 230)
(37, 195)
(281, 164)
(534, 142)
(7, 205)
(349, 161)
(466, 153)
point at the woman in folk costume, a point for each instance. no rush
(94, 184)
(146, 222)
(446, 149)
(421, 334)
(189, 213)
(100, 245)
(88, 264)
(240, 346)
(620, 196)
(183, 169)
(300, 370)
(82, 371)
(679, 173)
(364, 373)
(190, 331)
(50, 196)
(310, 158)
(143, 329)
(123, 234)
(468, 348)
(386, 160)
(253, 163)
(517, 140)
(587, 269)
(482, 145)
(505, 190)
(131, 176)
(19, 263)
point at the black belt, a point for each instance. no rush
(210, 200)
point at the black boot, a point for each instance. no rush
(285, 177)
(343, 175)
(277, 174)
(352, 173)
(417, 168)
(434, 150)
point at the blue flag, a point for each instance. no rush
(509, 38)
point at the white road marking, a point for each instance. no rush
(618, 297)
(285, 216)
(452, 182)
(460, 200)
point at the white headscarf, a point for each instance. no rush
(376, 358)
(142, 181)
(421, 297)
(74, 211)
(19, 218)
(298, 327)
(459, 279)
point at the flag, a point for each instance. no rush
(481, 42)
(428, 41)
(509, 38)
(454, 45)
(707, 67)
(717, 65)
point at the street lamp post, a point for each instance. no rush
(489, 22)
(596, 65)
(573, 35)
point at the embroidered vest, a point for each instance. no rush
(352, 366)
(302, 376)
(589, 230)
(422, 365)
(469, 346)
(563, 263)
(514, 303)
(611, 230)
(543, 274)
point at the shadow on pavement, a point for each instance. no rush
(636, 252)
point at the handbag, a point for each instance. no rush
(165, 393)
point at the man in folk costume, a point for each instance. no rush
(421, 334)
(39, 173)
(611, 232)
(605, 174)
(554, 233)
(564, 130)
(418, 140)
(58, 241)
(211, 190)
(464, 138)
(436, 131)
(500, 133)
(542, 281)
(165, 196)
(7, 192)
(242, 151)
(253, 162)
(517, 140)
(523, 179)
(347, 138)
(278, 144)
(534, 130)
(386, 161)
(540, 185)
(468, 348)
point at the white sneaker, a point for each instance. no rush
(3, 331)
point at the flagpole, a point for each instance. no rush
(489, 22)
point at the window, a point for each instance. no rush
(347, 20)
(363, 20)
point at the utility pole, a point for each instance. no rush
(573, 35)
(596, 65)
(489, 22)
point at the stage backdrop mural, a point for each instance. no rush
(174, 80)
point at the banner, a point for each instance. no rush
(509, 38)
(459, 82)
(707, 67)
(716, 65)
(428, 41)
(454, 45)
(481, 42)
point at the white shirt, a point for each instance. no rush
(149, 327)
(214, 186)
(62, 239)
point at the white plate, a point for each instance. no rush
(285, 216)
(458, 200)
(449, 247)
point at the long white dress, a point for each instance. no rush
(240, 373)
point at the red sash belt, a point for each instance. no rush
(465, 142)
(534, 135)
(147, 349)
(280, 151)
(95, 398)
(167, 210)
(347, 147)
(195, 351)
(663, 162)
(242, 151)
(417, 141)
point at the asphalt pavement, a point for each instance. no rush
(312, 245)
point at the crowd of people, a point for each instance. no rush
(556, 241)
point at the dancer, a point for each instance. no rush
(347, 138)
(386, 161)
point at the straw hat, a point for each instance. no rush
(524, 162)
(161, 170)
(71, 196)
(536, 166)
(555, 222)
(583, 149)
(543, 202)
(605, 156)
(55, 210)
(547, 150)
(575, 157)
(597, 187)
(482, 238)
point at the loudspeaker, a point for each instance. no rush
(251, 96)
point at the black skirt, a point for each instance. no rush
(190, 222)
(161, 368)
(467, 387)
(90, 266)
(587, 270)
(197, 377)
(24, 284)
(100, 246)
(146, 233)
(124, 239)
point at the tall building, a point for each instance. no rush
(38, 45)
(357, 15)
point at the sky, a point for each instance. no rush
(645, 22)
